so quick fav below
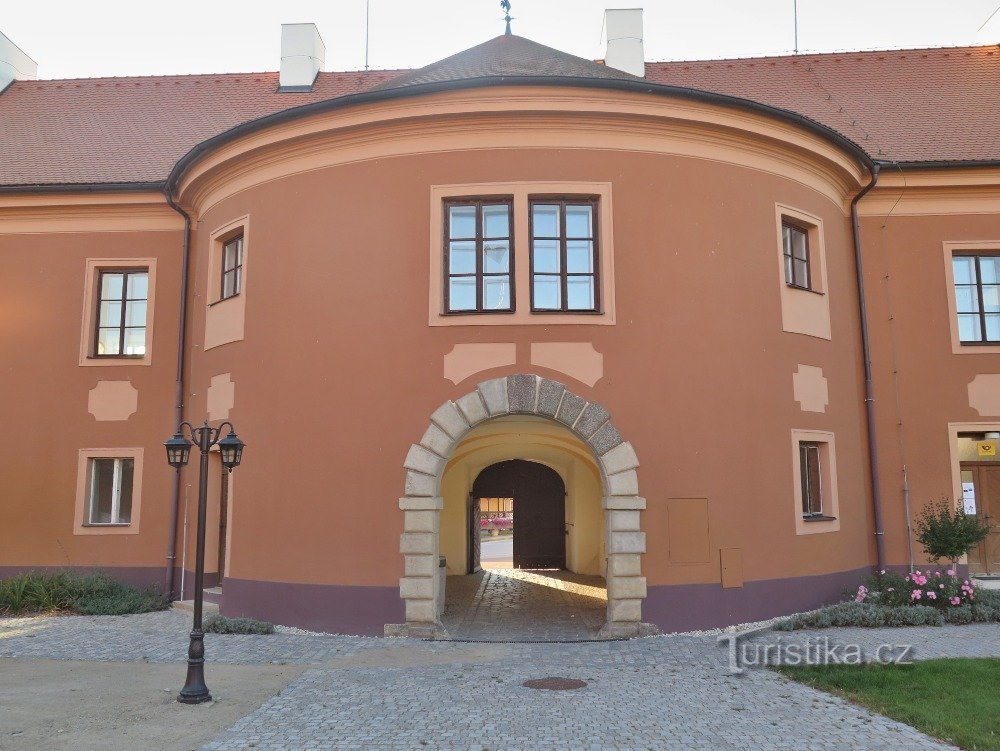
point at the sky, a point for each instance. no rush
(72, 39)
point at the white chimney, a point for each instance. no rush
(625, 51)
(14, 64)
(302, 56)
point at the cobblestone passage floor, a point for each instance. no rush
(521, 605)
(664, 692)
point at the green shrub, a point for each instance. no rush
(70, 592)
(948, 532)
(959, 615)
(864, 614)
(220, 624)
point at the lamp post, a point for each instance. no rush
(178, 451)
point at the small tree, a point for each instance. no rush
(947, 532)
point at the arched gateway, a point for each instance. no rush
(422, 503)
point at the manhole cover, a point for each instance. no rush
(555, 684)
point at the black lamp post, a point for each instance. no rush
(178, 451)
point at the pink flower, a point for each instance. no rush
(951, 572)
(937, 573)
(932, 595)
(940, 586)
(891, 589)
(955, 600)
(916, 594)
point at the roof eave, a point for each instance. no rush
(414, 90)
(119, 187)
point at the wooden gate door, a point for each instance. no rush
(539, 510)
(986, 476)
(475, 539)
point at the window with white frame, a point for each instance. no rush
(110, 483)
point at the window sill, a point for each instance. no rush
(805, 289)
(224, 299)
(981, 344)
(818, 518)
(105, 525)
(555, 312)
(453, 313)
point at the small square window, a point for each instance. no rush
(795, 247)
(109, 498)
(232, 267)
(122, 305)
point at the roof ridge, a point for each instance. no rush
(230, 74)
(828, 54)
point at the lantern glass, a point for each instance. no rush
(178, 451)
(231, 451)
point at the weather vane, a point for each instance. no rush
(505, 5)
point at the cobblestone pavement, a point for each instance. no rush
(519, 605)
(654, 693)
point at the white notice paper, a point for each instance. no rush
(969, 497)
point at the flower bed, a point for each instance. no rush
(931, 597)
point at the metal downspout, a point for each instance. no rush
(869, 386)
(179, 391)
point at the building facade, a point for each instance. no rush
(666, 289)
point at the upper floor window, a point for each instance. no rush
(110, 494)
(232, 267)
(977, 298)
(564, 274)
(479, 263)
(121, 313)
(795, 246)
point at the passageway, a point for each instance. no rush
(525, 605)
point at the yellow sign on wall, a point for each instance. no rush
(987, 448)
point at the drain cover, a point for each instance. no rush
(555, 684)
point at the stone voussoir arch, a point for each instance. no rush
(522, 394)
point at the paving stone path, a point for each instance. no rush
(492, 606)
(654, 693)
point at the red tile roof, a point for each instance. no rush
(905, 105)
(898, 105)
(133, 130)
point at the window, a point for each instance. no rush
(564, 255)
(232, 267)
(478, 258)
(481, 243)
(121, 314)
(795, 246)
(977, 298)
(812, 484)
(110, 490)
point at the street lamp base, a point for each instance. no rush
(195, 691)
(194, 698)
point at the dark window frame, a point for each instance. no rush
(99, 298)
(479, 202)
(789, 255)
(809, 449)
(563, 274)
(236, 272)
(981, 313)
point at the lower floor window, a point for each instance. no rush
(110, 498)
(812, 486)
